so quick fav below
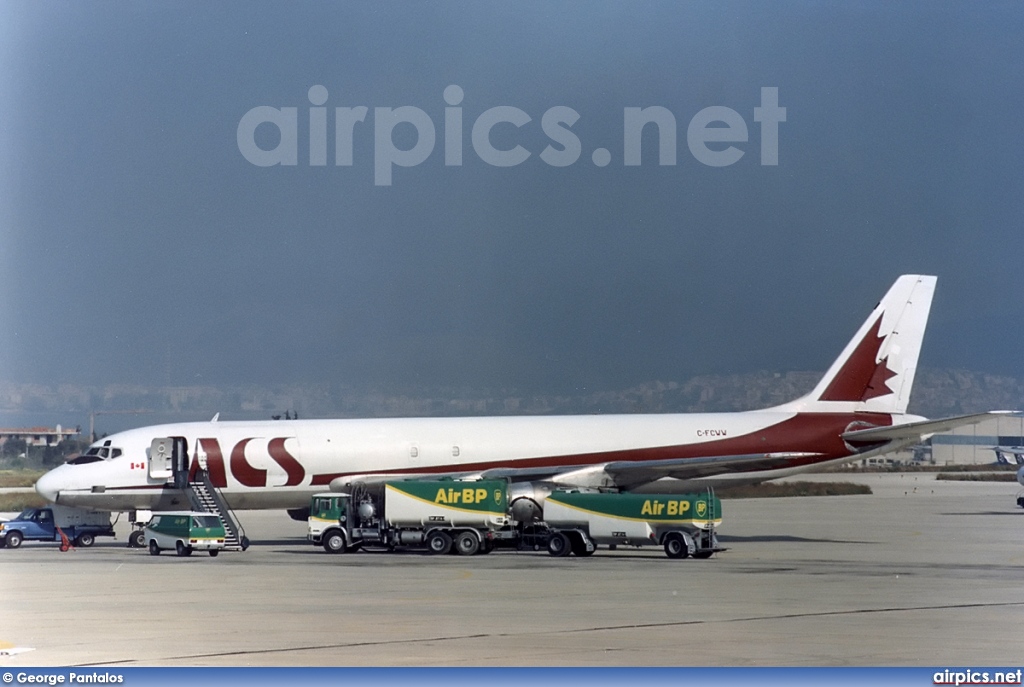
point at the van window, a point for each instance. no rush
(205, 521)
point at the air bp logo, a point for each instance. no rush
(497, 496)
(702, 508)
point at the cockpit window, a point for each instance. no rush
(96, 454)
(82, 460)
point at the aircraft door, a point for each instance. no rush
(161, 455)
(179, 462)
(168, 459)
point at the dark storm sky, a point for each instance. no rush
(137, 243)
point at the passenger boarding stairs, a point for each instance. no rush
(169, 458)
(204, 497)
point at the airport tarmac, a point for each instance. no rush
(919, 573)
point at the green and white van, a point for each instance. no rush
(185, 532)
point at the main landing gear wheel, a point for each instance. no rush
(136, 539)
(559, 545)
(439, 542)
(154, 550)
(467, 544)
(675, 546)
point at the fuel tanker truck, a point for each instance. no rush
(468, 518)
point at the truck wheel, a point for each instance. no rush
(244, 543)
(439, 542)
(675, 546)
(13, 539)
(137, 539)
(559, 545)
(85, 540)
(154, 550)
(467, 544)
(703, 554)
(214, 552)
(334, 542)
(579, 545)
(181, 549)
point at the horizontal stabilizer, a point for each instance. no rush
(921, 430)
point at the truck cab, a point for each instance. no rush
(327, 517)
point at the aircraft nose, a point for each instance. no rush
(48, 486)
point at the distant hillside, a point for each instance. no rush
(953, 392)
(937, 393)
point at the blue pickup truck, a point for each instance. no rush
(81, 527)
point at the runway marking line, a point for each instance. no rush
(608, 628)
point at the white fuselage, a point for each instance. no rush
(280, 464)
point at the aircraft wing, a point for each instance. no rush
(623, 473)
(628, 474)
(918, 431)
(514, 474)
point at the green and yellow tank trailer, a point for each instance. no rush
(471, 517)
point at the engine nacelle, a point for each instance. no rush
(526, 500)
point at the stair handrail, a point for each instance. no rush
(222, 504)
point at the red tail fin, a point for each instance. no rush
(875, 372)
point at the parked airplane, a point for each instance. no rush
(1013, 455)
(857, 410)
(1009, 455)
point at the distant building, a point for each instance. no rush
(38, 436)
(974, 443)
